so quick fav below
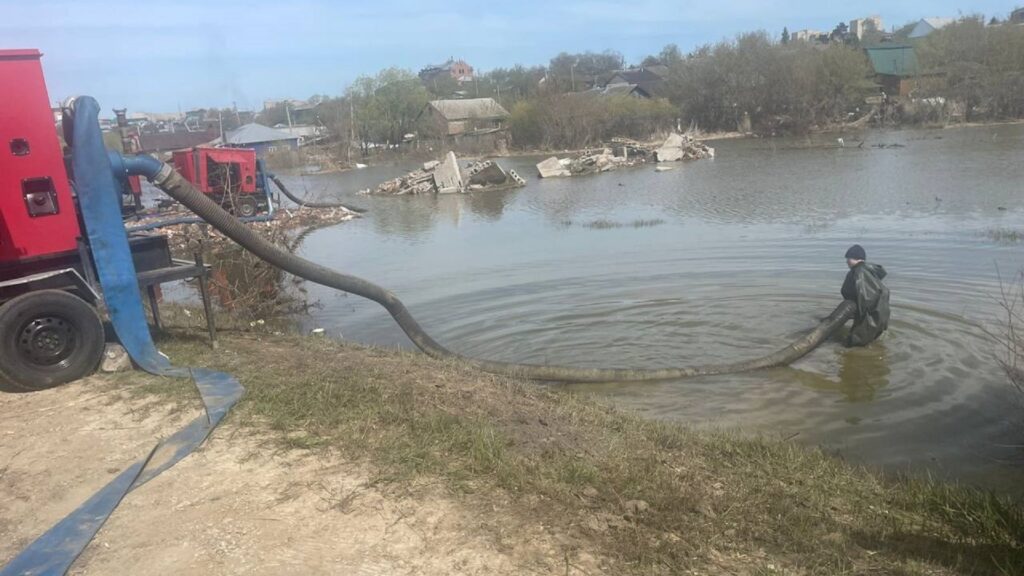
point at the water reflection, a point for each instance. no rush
(862, 374)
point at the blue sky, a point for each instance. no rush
(156, 57)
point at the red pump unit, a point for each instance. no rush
(37, 213)
(232, 177)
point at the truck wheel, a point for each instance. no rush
(246, 206)
(48, 337)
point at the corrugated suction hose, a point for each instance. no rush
(181, 190)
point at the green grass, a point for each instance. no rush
(711, 502)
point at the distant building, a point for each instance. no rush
(475, 124)
(455, 117)
(458, 70)
(616, 89)
(806, 35)
(260, 138)
(860, 27)
(1016, 17)
(895, 67)
(158, 142)
(649, 80)
(926, 26)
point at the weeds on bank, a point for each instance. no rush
(653, 497)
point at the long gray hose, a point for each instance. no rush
(181, 190)
(309, 203)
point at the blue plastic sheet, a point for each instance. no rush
(55, 551)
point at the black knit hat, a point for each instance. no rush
(856, 252)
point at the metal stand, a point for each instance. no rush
(180, 270)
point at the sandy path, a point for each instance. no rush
(238, 506)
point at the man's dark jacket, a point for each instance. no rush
(863, 285)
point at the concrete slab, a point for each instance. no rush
(447, 177)
(552, 168)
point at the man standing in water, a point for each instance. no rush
(863, 285)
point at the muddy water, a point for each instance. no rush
(748, 253)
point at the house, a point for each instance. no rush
(260, 138)
(455, 117)
(616, 89)
(926, 26)
(1016, 17)
(459, 70)
(649, 80)
(895, 67)
(155, 143)
(476, 125)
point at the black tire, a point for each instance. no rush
(47, 338)
(246, 206)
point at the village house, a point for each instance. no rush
(616, 89)
(648, 80)
(458, 70)
(926, 26)
(260, 138)
(1016, 17)
(473, 124)
(159, 142)
(895, 67)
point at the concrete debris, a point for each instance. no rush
(682, 147)
(445, 177)
(448, 177)
(552, 168)
(625, 152)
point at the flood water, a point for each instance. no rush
(748, 253)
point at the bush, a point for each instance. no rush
(585, 119)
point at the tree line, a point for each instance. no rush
(754, 82)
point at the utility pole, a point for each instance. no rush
(288, 113)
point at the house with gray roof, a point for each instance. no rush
(260, 138)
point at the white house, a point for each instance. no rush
(928, 25)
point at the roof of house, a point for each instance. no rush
(617, 89)
(926, 26)
(893, 60)
(636, 76)
(164, 141)
(254, 133)
(472, 109)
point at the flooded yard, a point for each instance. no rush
(727, 259)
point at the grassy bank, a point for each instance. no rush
(648, 497)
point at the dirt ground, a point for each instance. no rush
(239, 505)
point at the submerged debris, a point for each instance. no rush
(626, 152)
(446, 177)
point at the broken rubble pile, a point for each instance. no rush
(589, 162)
(445, 177)
(682, 147)
(626, 152)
